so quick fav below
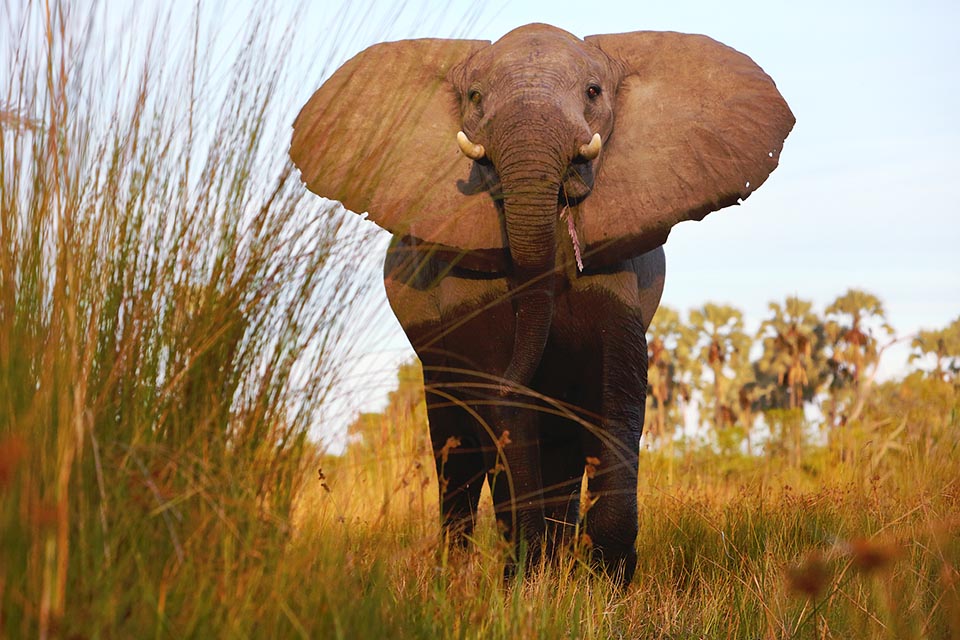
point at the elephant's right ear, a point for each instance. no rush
(380, 137)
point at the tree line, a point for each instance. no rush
(800, 370)
(803, 375)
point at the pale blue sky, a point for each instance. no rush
(867, 193)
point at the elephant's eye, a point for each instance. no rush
(474, 96)
(594, 91)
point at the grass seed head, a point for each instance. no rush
(12, 449)
(591, 466)
(870, 555)
(810, 577)
(450, 444)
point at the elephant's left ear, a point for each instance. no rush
(698, 126)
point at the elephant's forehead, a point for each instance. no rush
(532, 50)
(536, 35)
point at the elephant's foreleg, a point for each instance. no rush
(459, 457)
(611, 521)
(516, 482)
(561, 457)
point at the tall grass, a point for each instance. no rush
(172, 305)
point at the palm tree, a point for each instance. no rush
(855, 322)
(791, 368)
(792, 365)
(723, 347)
(944, 346)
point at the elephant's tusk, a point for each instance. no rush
(469, 149)
(592, 150)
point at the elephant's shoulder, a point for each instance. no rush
(429, 290)
(422, 267)
(636, 283)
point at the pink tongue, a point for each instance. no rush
(573, 236)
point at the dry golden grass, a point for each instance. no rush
(729, 547)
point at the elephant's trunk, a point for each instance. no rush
(530, 179)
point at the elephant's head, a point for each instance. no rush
(475, 148)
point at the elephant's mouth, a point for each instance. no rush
(577, 183)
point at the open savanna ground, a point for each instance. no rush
(730, 546)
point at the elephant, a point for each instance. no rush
(530, 185)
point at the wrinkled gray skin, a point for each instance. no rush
(575, 338)
(531, 366)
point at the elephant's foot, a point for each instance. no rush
(523, 533)
(523, 559)
(619, 563)
(611, 526)
(460, 474)
(526, 544)
(457, 532)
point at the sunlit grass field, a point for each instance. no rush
(175, 315)
(731, 547)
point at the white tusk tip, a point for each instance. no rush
(591, 150)
(469, 149)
